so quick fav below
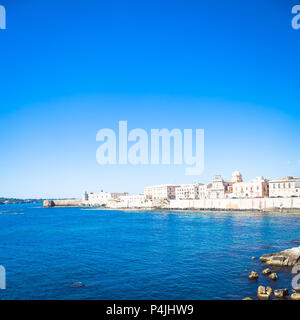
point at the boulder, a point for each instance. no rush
(273, 276)
(281, 293)
(266, 271)
(264, 293)
(286, 258)
(48, 203)
(253, 275)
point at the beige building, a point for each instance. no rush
(284, 187)
(164, 191)
(187, 191)
(257, 188)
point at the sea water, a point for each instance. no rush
(89, 253)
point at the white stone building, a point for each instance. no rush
(216, 190)
(187, 192)
(284, 187)
(101, 198)
(164, 191)
(257, 188)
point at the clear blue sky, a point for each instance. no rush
(70, 68)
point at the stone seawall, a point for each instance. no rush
(264, 204)
(62, 203)
(238, 204)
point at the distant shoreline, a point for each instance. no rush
(187, 210)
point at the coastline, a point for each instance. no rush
(183, 210)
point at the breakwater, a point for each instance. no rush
(257, 204)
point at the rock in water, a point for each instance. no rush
(266, 272)
(286, 258)
(273, 276)
(76, 284)
(281, 293)
(264, 293)
(253, 275)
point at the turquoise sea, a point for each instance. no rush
(138, 254)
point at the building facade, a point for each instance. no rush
(284, 187)
(165, 191)
(202, 191)
(187, 192)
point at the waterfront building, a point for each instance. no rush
(164, 191)
(187, 192)
(257, 188)
(284, 187)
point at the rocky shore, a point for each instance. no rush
(278, 260)
(286, 258)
